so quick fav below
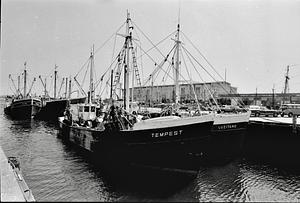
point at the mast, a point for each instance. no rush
(70, 87)
(91, 97)
(286, 83)
(46, 93)
(55, 77)
(18, 91)
(25, 73)
(177, 67)
(111, 83)
(151, 97)
(66, 92)
(126, 71)
(132, 86)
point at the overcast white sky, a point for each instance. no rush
(254, 40)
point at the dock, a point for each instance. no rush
(274, 139)
(281, 120)
(13, 186)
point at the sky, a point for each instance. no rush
(252, 41)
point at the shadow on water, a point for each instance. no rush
(134, 182)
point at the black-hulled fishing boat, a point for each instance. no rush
(228, 135)
(229, 128)
(117, 135)
(54, 107)
(23, 106)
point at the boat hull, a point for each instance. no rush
(273, 142)
(159, 144)
(23, 108)
(53, 109)
(181, 147)
(228, 136)
(56, 108)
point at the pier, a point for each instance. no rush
(282, 120)
(274, 139)
(13, 187)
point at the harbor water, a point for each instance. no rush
(57, 171)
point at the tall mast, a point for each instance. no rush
(91, 76)
(66, 92)
(19, 86)
(132, 86)
(70, 87)
(286, 83)
(111, 83)
(126, 71)
(46, 87)
(55, 76)
(25, 73)
(177, 67)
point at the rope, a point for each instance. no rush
(150, 40)
(239, 100)
(109, 68)
(201, 79)
(159, 66)
(85, 74)
(109, 38)
(202, 56)
(195, 95)
(82, 67)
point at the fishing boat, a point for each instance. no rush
(23, 106)
(228, 131)
(54, 107)
(168, 142)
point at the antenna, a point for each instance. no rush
(178, 12)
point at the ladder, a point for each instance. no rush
(119, 70)
(135, 67)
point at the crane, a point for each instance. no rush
(286, 82)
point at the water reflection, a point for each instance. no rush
(268, 183)
(220, 183)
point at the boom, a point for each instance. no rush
(13, 82)
(31, 86)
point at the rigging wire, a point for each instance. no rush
(82, 67)
(168, 69)
(107, 82)
(155, 46)
(109, 68)
(195, 95)
(205, 86)
(189, 54)
(159, 66)
(109, 38)
(203, 56)
(163, 78)
(85, 73)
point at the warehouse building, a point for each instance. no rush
(166, 93)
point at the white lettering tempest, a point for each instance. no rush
(169, 133)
